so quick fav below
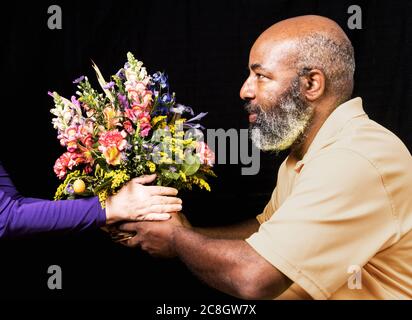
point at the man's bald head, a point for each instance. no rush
(314, 42)
(300, 70)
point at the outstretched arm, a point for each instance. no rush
(238, 231)
(231, 266)
(18, 218)
(24, 216)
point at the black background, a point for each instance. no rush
(204, 47)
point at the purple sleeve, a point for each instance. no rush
(23, 216)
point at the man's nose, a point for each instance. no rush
(247, 92)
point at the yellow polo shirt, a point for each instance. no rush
(339, 221)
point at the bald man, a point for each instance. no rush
(338, 225)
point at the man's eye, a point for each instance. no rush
(260, 76)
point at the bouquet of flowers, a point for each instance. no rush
(134, 127)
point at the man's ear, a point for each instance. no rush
(313, 84)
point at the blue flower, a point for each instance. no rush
(161, 110)
(160, 78)
(167, 98)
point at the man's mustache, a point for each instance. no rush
(253, 108)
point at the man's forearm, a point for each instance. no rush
(238, 231)
(222, 264)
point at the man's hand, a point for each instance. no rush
(155, 238)
(136, 202)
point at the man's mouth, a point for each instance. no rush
(252, 117)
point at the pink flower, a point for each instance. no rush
(67, 160)
(144, 123)
(71, 144)
(87, 141)
(130, 113)
(88, 170)
(133, 94)
(144, 131)
(138, 94)
(144, 117)
(144, 102)
(111, 145)
(127, 125)
(206, 155)
(60, 167)
(135, 90)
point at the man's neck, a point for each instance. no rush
(321, 113)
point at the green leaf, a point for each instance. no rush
(170, 175)
(191, 164)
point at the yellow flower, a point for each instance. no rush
(200, 182)
(120, 177)
(151, 166)
(103, 195)
(111, 116)
(156, 119)
(182, 175)
(112, 155)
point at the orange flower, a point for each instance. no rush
(111, 145)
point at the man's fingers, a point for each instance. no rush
(162, 191)
(144, 179)
(133, 242)
(165, 208)
(128, 226)
(165, 200)
(155, 217)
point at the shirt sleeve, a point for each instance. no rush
(7, 186)
(338, 215)
(270, 208)
(21, 216)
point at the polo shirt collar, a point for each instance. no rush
(332, 126)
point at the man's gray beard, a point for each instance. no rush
(284, 123)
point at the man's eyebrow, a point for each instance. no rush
(255, 66)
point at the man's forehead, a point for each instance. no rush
(268, 53)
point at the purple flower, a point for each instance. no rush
(147, 146)
(191, 123)
(123, 100)
(198, 117)
(78, 80)
(70, 189)
(180, 109)
(172, 169)
(121, 74)
(75, 101)
(109, 85)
